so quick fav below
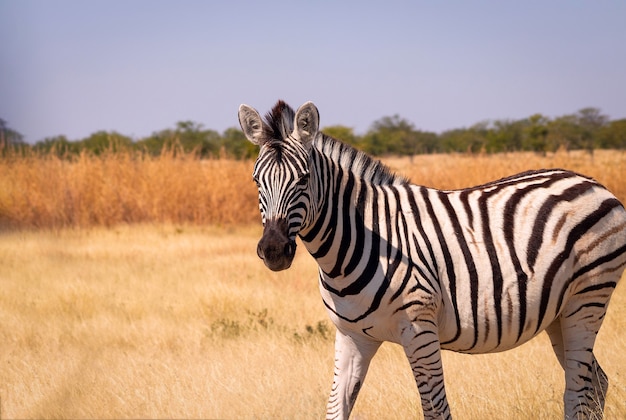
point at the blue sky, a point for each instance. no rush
(75, 67)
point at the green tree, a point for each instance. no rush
(466, 140)
(388, 135)
(343, 133)
(58, 145)
(590, 120)
(187, 137)
(398, 136)
(9, 137)
(193, 138)
(456, 140)
(103, 141)
(153, 144)
(536, 133)
(428, 142)
(504, 136)
(237, 145)
(564, 132)
(613, 135)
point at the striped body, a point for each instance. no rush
(477, 270)
(483, 258)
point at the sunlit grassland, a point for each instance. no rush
(43, 191)
(460, 171)
(162, 321)
(130, 287)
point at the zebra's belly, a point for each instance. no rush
(492, 345)
(493, 319)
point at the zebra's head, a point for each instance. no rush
(282, 173)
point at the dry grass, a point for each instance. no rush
(45, 191)
(154, 317)
(459, 171)
(186, 322)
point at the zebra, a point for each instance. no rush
(475, 270)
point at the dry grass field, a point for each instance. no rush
(43, 191)
(47, 192)
(186, 322)
(130, 288)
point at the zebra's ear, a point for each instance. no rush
(307, 122)
(251, 124)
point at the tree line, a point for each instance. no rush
(588, 129)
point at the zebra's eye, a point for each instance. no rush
(303, 181)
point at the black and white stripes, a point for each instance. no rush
(478, 270)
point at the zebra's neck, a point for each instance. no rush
(344, 179)
(334, 153)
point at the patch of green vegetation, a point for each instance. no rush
(261, 321)
(320, 330)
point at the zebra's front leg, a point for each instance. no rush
(422, 348)
(352, 359)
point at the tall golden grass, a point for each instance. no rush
(186, 322)
(44, 191)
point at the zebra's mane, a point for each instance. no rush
(361, 165)
(279, 124)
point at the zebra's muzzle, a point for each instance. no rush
(275, 248)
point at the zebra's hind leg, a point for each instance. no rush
(586, 383)
(599, 380)
(600, 384)
(556, 338)
(352, 359)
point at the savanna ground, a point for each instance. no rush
(130, 288)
